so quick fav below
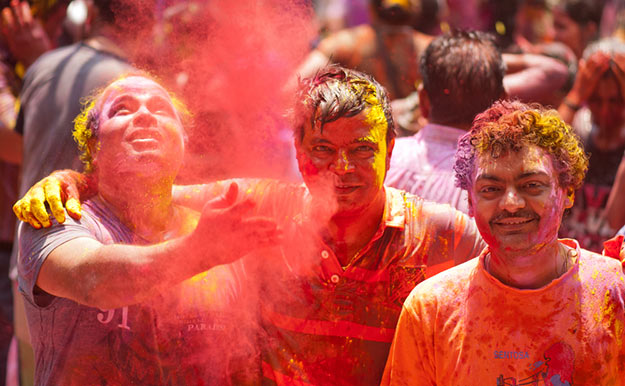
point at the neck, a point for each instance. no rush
(347, 234)
(533, 270)
(461, 126)
(143, 204)
(103, 39)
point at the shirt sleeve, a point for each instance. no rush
(453, 236)
(411, 358)
(35, 245)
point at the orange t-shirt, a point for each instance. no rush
(464, 327)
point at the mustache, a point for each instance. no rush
(520, 214)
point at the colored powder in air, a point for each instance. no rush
(230, 60)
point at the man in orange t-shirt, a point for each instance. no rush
(531, 309)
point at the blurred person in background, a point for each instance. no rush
(50, 95)
(576, 23)
(463, 74)
(596, 108)
(29, 29)
(388, 48)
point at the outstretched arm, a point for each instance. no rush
(111, 276)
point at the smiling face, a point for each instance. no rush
(517, 201)
(345, 162)
(139, 131)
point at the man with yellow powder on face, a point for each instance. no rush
(532, 309)
(103, 293)
(329, 297)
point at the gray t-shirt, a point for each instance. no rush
(193, 333)
(75, 344)
(51, 96)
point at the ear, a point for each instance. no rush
(94, 146)
(570, 198)
(424, 102)
(389, 153)
(470, 202)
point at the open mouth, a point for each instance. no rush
(144, 139)
(513, 224)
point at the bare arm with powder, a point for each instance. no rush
(111, 276)
(533, 77)
(63, 190)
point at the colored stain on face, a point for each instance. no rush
(377, 121)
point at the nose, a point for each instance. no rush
(511, 201)
(144, 118)
(342, 163)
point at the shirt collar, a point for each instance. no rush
(441, 133)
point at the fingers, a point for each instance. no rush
(8, 21)
(241, 209)
(25, 14)
(226, 199)
(22, 211)
(38, 206)
(52, 190)
(74, 208)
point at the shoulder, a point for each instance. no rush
(445, 289)
(594, 266)
(346, 39)
(428, 213)
(45, 65)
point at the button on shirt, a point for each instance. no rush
(423, 165)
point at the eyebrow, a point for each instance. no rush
(123, 98)
(492, 177)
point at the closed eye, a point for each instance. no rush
(119, 109)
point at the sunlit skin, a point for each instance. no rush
(518, 204)
(607, 106)
(140, 143)
(345, 163)
(344, 166)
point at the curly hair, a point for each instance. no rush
(86, 124)
(511, 125)
(336, 92)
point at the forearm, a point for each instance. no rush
(112, 276)
(615, 207)
(196, 196)
(534, 77)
